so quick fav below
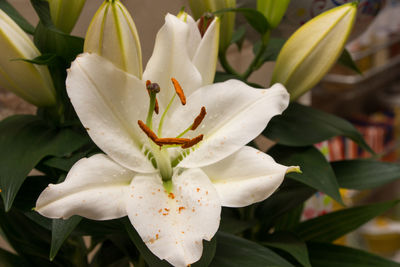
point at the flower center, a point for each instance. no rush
(159, 145)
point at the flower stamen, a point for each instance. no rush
(193, 141)
(147, 131)
(171, 141)
(179, 91)
(199, 119)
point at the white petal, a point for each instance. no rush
(245, 177)
(236, 114)
(194, 36)
(174, 225)
(109, 102)
(206, 55)
(95, 188)
(171, 59)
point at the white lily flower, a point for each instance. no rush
(172, 174)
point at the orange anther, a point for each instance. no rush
(193, 141)
(147, 131)
(171, 141)
(179, 91)
(199, 119)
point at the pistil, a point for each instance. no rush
(153, 89)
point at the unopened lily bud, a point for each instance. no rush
(65, 13)
(113, 35)
(203, 43)
(273, 10)
(200, 7)
(29, 81)
(312, 50)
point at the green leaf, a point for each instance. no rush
(45, 59)
(346, 60)
(24, 141)
(255, 18)
(317, 172)
(238, 37)
(60, 231)
(363, 174)
(302, 126)
(329, 255)
(288, 197)
(329, 227)
(30, 191)
(234, 251)
(273, 48)
(13, 13)
(152, 260)
(290, 219)
(49, 39)
(109, 255)
(290, 244)
(231, 223)
(9, 259)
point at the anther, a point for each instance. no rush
(199, 119)
(193, 141)
(179, 91)
(171, 141)
(205, 22)
(147, 131)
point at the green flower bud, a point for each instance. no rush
(199, 7)
(312, 50)
(113, 35)
(65, 13)
(29, 81)
(273, 10)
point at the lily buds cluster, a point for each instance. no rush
(65, 13)
(312, 50)
(113, 35)
(200, 7)
(29, 81)
(273, 10)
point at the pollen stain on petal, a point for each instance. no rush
(180, 209)
(171, 195)
(198, 189)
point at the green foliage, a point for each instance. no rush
(234, 251)
(329, 227)
(316, 170)
(328, 255)
(25, 140)
(300, 125)
(255, 18)
(363, 174)
(290, 244)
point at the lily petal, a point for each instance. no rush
(171, 59)
(206, 55)
(95, 188)
(245, 177)
(236, 114)
(194, 36)
(102, 96)
(174, 224)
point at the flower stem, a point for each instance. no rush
(225, 64)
